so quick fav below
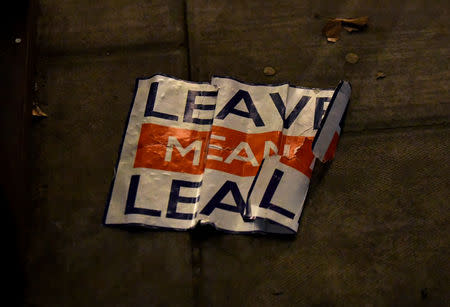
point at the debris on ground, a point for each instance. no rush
(352, 58)
(354, 24)
(332, 29)
(380, 75)
(269, 71)
(36, 111)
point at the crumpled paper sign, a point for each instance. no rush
(234, 155)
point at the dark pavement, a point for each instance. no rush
(375, 228)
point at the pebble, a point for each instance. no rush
(269, 71)
(352, 58)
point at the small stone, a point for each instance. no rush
(18, 40)
(352, 58)
(269, 71)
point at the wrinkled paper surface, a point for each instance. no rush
(237, 156)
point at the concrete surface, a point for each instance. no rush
(375, 229)
(73, 259)
(405, 41)
(78, 26)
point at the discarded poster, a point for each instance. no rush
(235, 155)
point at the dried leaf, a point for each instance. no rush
(37, 112)
(356, 22)
(333, 27)
(380, 75)
(332, 30)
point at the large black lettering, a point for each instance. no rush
(318, 113)
(131, 199)
(279, 104)
(191, 106)
(230, 107)
(151, 104)
(268, 194)
(175, 198)
(215, 201)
